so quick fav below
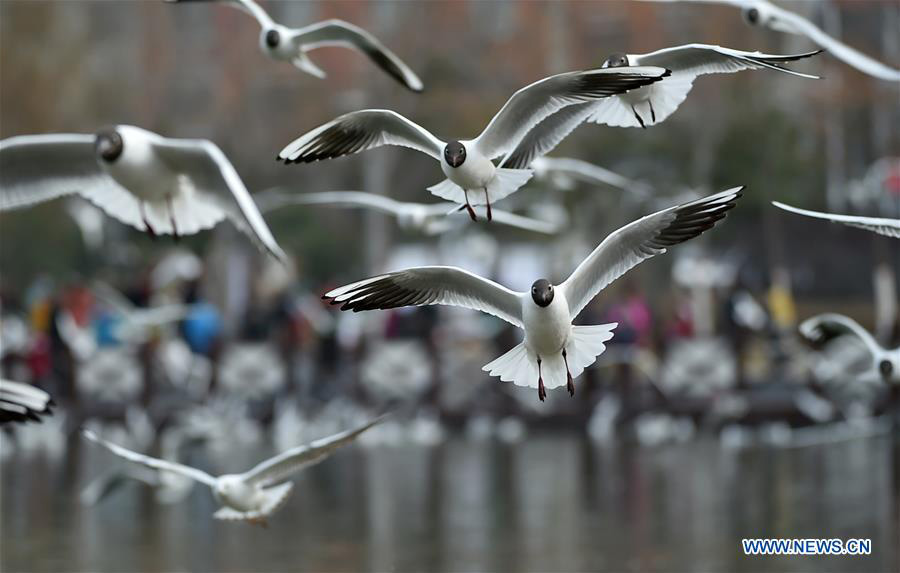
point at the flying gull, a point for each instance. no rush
(554, 352)
(764, 13)
(885, 363)
(653, 104)
(292, 44)
(880, 225)
(153, 183)
(256, 493)
(468, 164)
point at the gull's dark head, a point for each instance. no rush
(886, 369)
(617, 60)
(108, 144)
(542, 292)
(273, 38)
(455, 154)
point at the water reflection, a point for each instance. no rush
(555, 502)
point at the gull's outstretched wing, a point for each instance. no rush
(217, 183)
(342, 199)
(699, 59)
(880, 225)
(38, 168)
(358, 131)
(586, 172)
(430, 285)
(154, 463)
(279, 467)
(640, 240)
(21, 402)
(344, 34)
(810, 329)
(532, 104)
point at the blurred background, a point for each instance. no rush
(708, 419)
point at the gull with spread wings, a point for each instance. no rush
(292, 44)
(472, 177)
(554, 351)
(258, 492)
(885, 363)
(654, 103)
(153, 183)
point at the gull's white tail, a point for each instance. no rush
(191, 214)
(274, 498)
(506, 181)
(520, 367)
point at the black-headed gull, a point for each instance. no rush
(291, 44)
(256, 493)
(22, 402)
(653, 104)
(885, 362)
(153, 183)
(764, 13)
(880, 225)
(554, 352)
(429, 219)
(468, 164)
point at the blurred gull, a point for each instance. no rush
(880, 225)
(397, 369)
(135, 325)
(885, 363)
(111, 374)
(183, 368)
(251, 370)
(291, 44)
(175, 267)
(698, 367)
(223, 423)
(22, 402)
(546, 313)
(169, 487)
(764, 13)
(564, 171)
(256, 493)
(153, 183)
(433, 219)
(653, 104)
(468, 164)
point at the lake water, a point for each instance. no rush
(555, 502)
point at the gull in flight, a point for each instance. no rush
(880, 225)
(155, 184)
(654, 103)
(136, 324)
(764, 13)
(468, 164)
(433, 219)
(885, 363)
(22, 402)
(554, 351)
(292, 44)
(563, 171)
(256, 493)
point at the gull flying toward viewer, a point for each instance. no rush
(153, 183)
(885, 363)
(554, 352)
(291, 44)
(431, 219)
(22, 402)
(764, 13)
(468, 164)
(880, 225)
(654, 103)
(256, 493)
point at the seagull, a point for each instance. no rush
(563, 170)
(433, 219)
(135, 324)
(764, 13)
(468, 164)
(153, 183)
(22, 402)
(552, 348)
(291, 44)
(256, 493)
(885, 363)
(653, 104)
(880, 225)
